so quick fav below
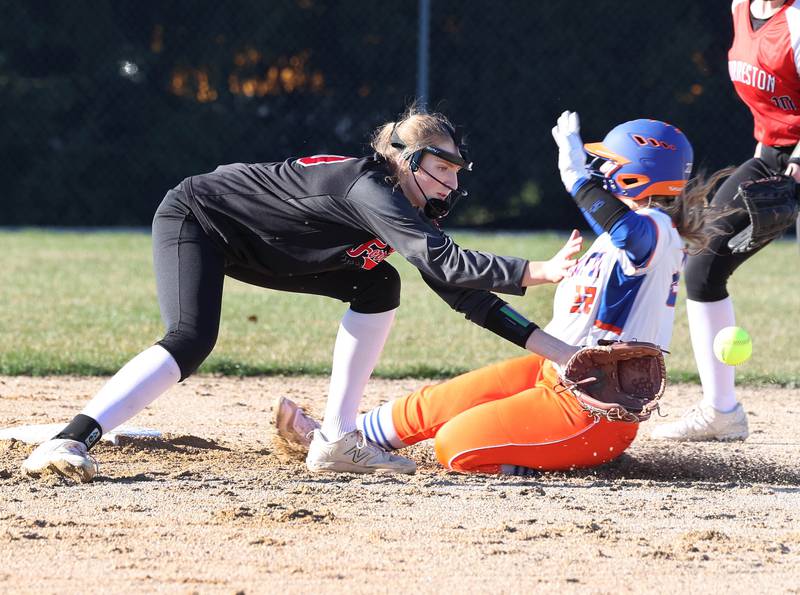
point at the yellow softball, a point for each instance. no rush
(733, 346)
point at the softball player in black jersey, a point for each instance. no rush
(320, 225)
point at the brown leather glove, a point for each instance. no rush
(621, 380)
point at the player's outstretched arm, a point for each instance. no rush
(602, 210)
(550, 347)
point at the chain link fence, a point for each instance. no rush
(109, 104)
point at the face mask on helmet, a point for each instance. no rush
(642, 158)
(437, 208)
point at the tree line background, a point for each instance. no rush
(106, 105)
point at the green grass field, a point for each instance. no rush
(73, 303)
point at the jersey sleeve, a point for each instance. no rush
(392, 218)
(650, 228)
(628, 231)
(637, 235)
(599, 207)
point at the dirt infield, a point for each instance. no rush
(210, 509)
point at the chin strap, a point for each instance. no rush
(437, 208)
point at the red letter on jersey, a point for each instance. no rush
(322, 160)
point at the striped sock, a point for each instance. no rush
(519, 471)
(378, 427)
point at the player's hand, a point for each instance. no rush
(552, 271)
(794, 171)
(558, 267)
(571, 156)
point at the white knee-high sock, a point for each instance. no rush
(140, 382)
(706, 319)
(359, 343)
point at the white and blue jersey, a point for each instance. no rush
(625, 286)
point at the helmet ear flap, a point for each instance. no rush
(626, 181)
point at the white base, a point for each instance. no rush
(37, 434)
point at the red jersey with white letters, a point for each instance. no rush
(764, 66)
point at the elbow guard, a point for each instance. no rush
(503, 320)
(600, 205)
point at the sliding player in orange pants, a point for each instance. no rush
(514, 417)
(508, 416)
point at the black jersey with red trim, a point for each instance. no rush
(325, 213)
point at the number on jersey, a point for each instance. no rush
(584, 299)
(784, 102)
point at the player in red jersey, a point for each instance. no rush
(764, 65)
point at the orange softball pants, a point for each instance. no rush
(508, 414)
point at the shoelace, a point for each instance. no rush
(375, 449)
(695, 412)
(695, 417)
(76, 450)
(362, 440)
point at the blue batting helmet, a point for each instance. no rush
(642, 158)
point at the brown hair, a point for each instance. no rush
(695, 221)
(416, 129)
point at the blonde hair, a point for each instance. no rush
(416, 129)
(695, 221)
